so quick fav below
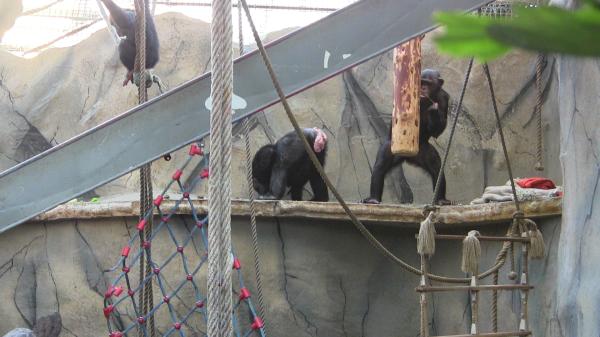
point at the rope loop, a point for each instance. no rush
(518, 215)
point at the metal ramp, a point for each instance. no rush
(301, 60)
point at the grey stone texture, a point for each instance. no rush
(320, 278)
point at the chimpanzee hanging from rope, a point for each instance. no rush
(124, 21)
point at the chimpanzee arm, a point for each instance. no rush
(278, 180)
(319, 188)
(118, 15)
(438, 114)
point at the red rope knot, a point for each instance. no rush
(177, 174)
(156, 271)
(177, 326)
(116, 334)
(165, 219)
(158, 200)
(196, 150)
(205, 173)
(186, 195)
(189, 277)
(109, 292)
(244, 294)
(200, 304)
(108, 310)
(146, 244)
(141, 225)
(199, 224)
(126, 269)
(180, 250)
(236, 263)
(117, 291)
(130, 292)
(166, 299)
(141, 320)
(125, 251)
(257, 324)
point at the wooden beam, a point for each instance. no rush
(406, 216)
(407, 84)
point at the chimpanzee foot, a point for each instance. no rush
(372, 201)
(128, 78)
(266, 197)
(444, 202)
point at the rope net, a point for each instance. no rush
(177, 271)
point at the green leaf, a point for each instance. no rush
(467, 35)
(551, 30)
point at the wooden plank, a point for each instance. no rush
(493, 334)
(407, 216)
(432, 289)
(407, 84)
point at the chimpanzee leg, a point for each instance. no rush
(384, 162)
(429, 160)
(319, 188)
(296, 192)
(278, 183)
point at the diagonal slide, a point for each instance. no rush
(301, 60)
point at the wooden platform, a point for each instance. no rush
(405, 215)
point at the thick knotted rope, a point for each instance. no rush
(146, 300)
(219, 194)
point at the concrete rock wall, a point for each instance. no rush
(320, 278)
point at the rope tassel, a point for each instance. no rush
(426, 237)
(537, 245)
(471, 253)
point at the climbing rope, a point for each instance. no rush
(251, 192)
(452, 130)
(539, 165)
(146, 298)
(176, 270)
(219, 195)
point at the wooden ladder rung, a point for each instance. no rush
(431, 289)
(493, 334)
(482, 238)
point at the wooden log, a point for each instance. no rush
(407, 84)
(403, 216)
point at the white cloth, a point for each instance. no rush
(504, 193)
(20, 332)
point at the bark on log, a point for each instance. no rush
(406, 216)
(407, 83)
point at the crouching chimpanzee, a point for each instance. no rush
(286, 163)
(124, 22)
(433, 107)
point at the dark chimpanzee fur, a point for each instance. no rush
(286, 163)
(124, 22)
(433, 107)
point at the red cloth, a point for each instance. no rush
(536, 182)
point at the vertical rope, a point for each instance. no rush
(219, 194)
(495, 304)
(452, 130)
(486, 70)
(251, 192)
(424, 330)
(539, 166)
(146, 299)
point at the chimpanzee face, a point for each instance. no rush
(427, 88)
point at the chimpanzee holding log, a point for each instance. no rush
(433, 107)
(124, 22)
(286, 164)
